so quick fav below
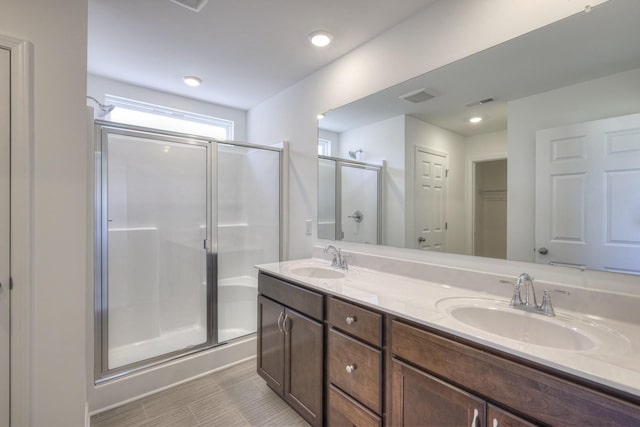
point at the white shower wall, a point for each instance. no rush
(248, 232)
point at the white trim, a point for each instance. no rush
(21, 225)
(469, 190)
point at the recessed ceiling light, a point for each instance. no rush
(476, 119)
(192, 81)
(320, 38)
(320, 116)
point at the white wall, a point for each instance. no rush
(58, 31)
(98, 87)
(426, 135)
(444, 32)
(610, 96)
(383, 141)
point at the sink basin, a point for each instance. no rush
(562, 332)
(317, 272)
(523, 327)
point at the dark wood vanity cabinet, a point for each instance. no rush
(291, 345)
(354, 365)
(419, 399)
(439, 374)
(386, 370)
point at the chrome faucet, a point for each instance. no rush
(339, 260)
(530, 303)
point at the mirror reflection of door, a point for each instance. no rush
(490, 209)
(430, 187)
(588, 195)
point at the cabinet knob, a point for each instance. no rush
(495, 422)
(350, 368)
(351, 319)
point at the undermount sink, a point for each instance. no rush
(562, 332)
(318, 272)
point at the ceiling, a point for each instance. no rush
(245, 51)
(579, 48)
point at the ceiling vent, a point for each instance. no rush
(418, 96)
(481, 102)
(192, 5)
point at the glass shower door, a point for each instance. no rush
(155, 219)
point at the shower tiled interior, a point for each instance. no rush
(235, 396)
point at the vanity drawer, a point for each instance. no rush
(550, 399)
(356, 321)
(356, 368)
(344, 411)
(296, 297)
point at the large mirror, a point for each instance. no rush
(547, 171)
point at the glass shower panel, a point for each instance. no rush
(248, 232)
(359, 202)
(156, 223)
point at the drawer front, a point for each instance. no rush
(344, 411)
(356, 321)
(303, 300)
(356, 368)
(550, 399)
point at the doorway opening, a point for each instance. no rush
(490, 208)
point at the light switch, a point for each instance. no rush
(307, 225)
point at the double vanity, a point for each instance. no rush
(362, 346)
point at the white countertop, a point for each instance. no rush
(614, 361)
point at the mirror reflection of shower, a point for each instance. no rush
(350, 200)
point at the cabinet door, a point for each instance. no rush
(271, 343)
(497, 417)
(418, 399)
(303, 365)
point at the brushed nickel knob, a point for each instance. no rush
(351, 368)
(351, 319)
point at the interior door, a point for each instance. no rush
(5, 300)
(430, 189)
(587, 199)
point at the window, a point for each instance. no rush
(158, 117)
(324, 147)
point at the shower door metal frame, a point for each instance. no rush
(101, 312)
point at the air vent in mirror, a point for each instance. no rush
(418, 96)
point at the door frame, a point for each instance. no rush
(21, 218)
(470, 190)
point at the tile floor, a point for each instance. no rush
(232, 397)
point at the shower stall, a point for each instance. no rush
(180, 221)
(349, 200)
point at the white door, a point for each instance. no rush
(4, 237)
(430, 190)
(588, 194)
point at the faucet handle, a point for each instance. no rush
(345, 264)
(516, 299)
(546, 306)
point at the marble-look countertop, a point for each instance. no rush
(613, 361)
